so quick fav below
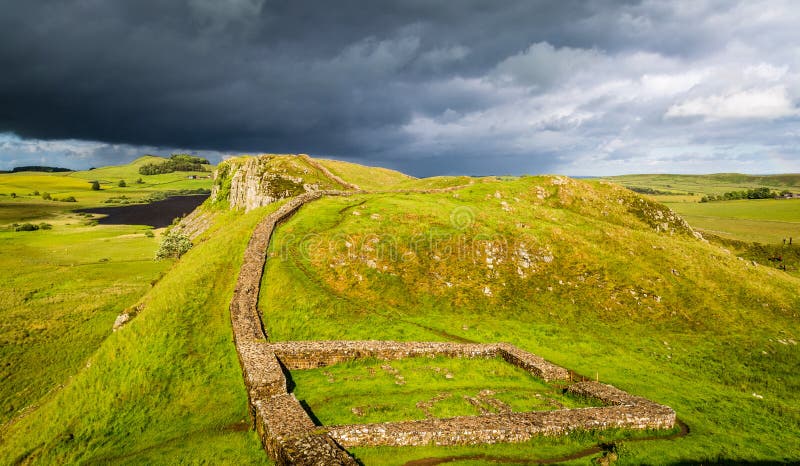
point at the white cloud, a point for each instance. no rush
(769, 103)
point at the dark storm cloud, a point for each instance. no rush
(512, 86)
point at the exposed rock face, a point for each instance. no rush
(251, 189)
(257, 181)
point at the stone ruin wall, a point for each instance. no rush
(312, 354)
(291, 437)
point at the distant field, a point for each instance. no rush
(700, 185)
(62, 288)
(26, 185)
(766, 221)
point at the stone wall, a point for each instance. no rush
(505, 427)
(311, 354)
(285, 429)
(291, 437)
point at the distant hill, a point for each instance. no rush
(37, 168)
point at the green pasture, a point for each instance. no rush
(79, 185)
(60, 293)
(370, 391)
(588, 275)
(164, 389)
(700, 185)
(766, 221)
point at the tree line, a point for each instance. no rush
(757, 193)
(175, 163)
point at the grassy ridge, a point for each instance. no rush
(658, 314)
(365, 177)
(165, 388)
(765, 221)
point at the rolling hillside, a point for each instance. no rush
(587, 274)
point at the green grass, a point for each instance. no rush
(599, 296)
(61, 292)
(165, 388)
(701, 185)
(78, 185)
(766, 221)
(658, 314)
(381, 391)
(369, 178)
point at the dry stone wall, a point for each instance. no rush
(311, 354)
(504, 427)
(291, 437)
(285, 429)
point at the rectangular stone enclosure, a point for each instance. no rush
(291, 435)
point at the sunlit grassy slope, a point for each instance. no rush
(164, 389)
(570, 270)
(78, 185)
(589, 275)
(365, 177)
(60, 293)
(62, 288)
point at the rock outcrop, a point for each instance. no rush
(252, 182)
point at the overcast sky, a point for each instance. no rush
(426, 86)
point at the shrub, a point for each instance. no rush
(46, 196)
(35, 193)
(149, 233)
(174, 245)
(68, 199)
(13, 195)
(45, 226)
(139, 181)
(26, 227)
(95, 185)
(122, 184)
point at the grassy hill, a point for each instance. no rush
(658, 313)
(590, 275)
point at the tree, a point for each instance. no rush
(174, 245)
(95, 185)
(122, 184)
